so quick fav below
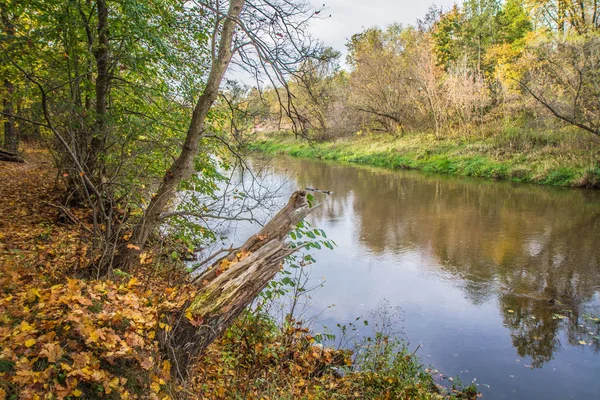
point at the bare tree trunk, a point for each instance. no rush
(102, 86)
(227, 288)
(182, 168)
(11, 141)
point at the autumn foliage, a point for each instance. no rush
(65, 335)
(61, 336)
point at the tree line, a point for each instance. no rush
(476, 68)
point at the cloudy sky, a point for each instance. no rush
(351, 16)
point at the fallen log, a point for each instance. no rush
(10, 157)
(228, 286)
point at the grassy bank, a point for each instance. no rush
(562, 159)
(64, 334)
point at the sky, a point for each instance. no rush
(351, 16)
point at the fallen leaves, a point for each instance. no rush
(79, 329)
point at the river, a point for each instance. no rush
(494, 279)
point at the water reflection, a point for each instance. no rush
(534, 249)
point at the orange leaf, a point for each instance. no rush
(133, 246)
(52, 352)
(147, 363)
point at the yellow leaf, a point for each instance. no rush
(77, 393)
(582, 342)
(96, 335)
(164, 326)
(511, 311)
(30, 342)
(166, 370)
(25, 327)
(145, 258)
(155, 387)
(32, 295)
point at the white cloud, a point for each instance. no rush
(352, 16)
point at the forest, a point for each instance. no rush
(126, 148)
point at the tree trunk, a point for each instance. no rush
(102, 86)
(183, 167)
(11, 141)
(227, 288)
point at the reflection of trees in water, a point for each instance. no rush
(533, 330)
(556, 282)
(537, 247)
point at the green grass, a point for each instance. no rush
(554, 158)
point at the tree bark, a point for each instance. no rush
(227, 288)
(183, 167)
(11, 141)
(102, 86)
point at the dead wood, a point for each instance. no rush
(10, 157)
(229, 286)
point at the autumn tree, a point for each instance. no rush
(470, 31)
(379, 80)
(317, 84)
(562, 76)
(566, 16)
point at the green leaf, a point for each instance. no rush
(311, 200)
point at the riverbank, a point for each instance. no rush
(66, 334)
(560, 159)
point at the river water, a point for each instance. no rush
(494, 279)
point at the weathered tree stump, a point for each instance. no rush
(230, 285)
